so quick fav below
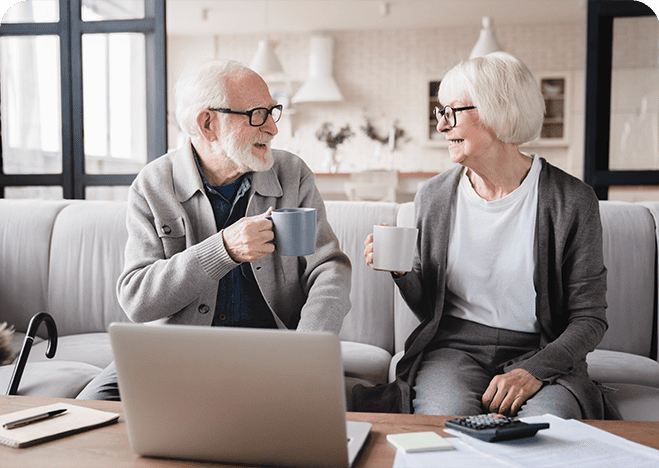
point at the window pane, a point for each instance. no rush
(30, 105)
(32, 11)
(111, 192)
(114, 102)
(634, 143)
(99, 10)
(46, 193)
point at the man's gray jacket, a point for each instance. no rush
(175, 256)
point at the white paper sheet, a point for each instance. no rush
(566, 443)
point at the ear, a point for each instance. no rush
(205, 125)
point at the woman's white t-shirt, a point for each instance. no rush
(491, 256)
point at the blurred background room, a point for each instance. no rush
(87, 86)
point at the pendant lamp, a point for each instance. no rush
(487, 42)
(320, 85)
(266, 62)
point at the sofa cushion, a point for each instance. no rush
(654, 211)
(370, 319)
(629, 245)
(365, 362)
(90, 348)
(635, 402)
(58, 379)
(25, 232)
(87, 257)
(615, 366)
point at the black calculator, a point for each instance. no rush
(494, 427)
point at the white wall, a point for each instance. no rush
(383, 76)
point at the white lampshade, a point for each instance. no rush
(320, 86)
(487, 42)
(266, 62)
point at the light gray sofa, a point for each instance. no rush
(64, 257)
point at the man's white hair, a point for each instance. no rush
(202, 86)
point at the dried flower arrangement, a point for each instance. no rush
(370, 132)
(332, 140)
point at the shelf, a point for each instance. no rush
(555, 89)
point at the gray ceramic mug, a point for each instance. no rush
(295, 231)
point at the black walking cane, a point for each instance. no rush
(27, 346)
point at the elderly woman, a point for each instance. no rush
(508, 278)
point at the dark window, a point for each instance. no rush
(82, 94)
(618, 151)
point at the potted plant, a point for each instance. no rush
(332, 140)
(390, 139)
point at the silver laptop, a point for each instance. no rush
(233, 395)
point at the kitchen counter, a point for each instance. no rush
(331, 185)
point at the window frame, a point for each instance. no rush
(70, 29)
(597, 173)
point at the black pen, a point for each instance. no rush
(32, 419)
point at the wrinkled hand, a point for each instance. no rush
(250, 239)
(368, 253)
(508, 392)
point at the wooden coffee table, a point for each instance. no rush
(109, 447)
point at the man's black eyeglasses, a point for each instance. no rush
(448, 114)
(258, 116)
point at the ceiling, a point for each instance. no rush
(223, 17)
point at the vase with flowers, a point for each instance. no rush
(390, 139)
(332, 141)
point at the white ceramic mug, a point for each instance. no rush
(393, 247)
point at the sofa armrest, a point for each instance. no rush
(365, 362)
(615, 366)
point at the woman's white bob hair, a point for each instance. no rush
(505, 92)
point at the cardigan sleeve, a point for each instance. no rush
(432, 211)
(573, 318)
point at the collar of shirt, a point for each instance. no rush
(245, 181)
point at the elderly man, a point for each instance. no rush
(200, 248)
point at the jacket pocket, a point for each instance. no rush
(172, 234)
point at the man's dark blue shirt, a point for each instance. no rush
(239, 299)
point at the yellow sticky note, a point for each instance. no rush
(419, 442)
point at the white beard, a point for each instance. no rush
(243, 157)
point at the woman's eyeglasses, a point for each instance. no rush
(448, 114)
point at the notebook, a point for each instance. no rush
(233, 395)
(75, 419)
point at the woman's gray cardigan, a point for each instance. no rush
(569, 279)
